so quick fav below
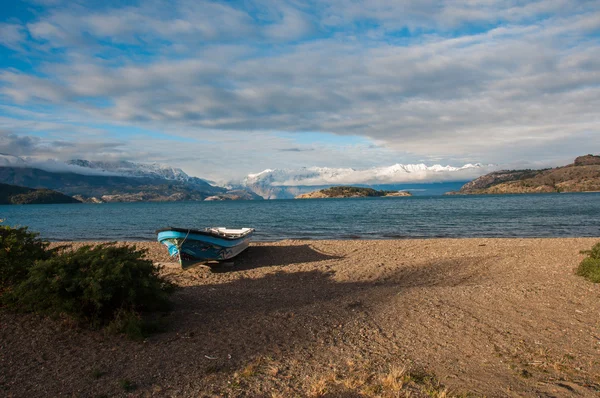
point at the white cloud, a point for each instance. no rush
(12, 35)
(470, 81)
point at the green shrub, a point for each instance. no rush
(134, 326)
(19, 250)
(589, 268)
(95, 285)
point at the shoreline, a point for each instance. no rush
(336, 239)
(489, 316)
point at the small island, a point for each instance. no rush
(16, 195)
(238, 194)
(350, 192)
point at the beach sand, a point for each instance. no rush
(494, 317)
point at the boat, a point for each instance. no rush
(197, 246)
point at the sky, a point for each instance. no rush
(226, 88)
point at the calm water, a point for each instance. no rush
(547, 215)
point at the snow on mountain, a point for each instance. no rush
(147, 170)
(398, 173)
(131, 169)
(104, 168)
(11, 161)
(285, 183)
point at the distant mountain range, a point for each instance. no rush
(289, 183)
(143, 170)
(117, 181)
(107, 181)
(123, 181)
(583, 175)
(114, 181)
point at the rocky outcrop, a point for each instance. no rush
(235, 195)
(581, 176)
(399, 194)
(86, 199)
(12, 194)
(587, 160)
(350, 192)
(498, 177)
(148, 197)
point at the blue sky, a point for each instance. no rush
(227, 88)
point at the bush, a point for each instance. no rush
(589, 268)
(19, 250)
(97, 286)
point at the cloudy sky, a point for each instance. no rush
(226, 88)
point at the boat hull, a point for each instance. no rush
(191, 249)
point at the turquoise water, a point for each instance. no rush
(542, 215)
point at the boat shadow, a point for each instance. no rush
(273, 256)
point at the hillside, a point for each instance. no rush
(114, 181)
(583, 175)
(12, 194)
(114, 188)
(349, 192)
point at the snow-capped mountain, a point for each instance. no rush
(11, 161)
(287, 183)
(103, 168)
(109, 181)
(131, 169)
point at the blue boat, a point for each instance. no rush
(193, 246)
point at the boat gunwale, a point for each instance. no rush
(210, 233)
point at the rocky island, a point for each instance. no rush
(350, 192)
(583, 175)
(16, 195)
(238, 194)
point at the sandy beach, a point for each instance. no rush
(493, 317)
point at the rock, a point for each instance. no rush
(399, 193)
(350, 192)
(587, 160)
(14, 194)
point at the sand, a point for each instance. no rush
(493, 317)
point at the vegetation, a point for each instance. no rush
(19, 250)
(581, 176)
(102, 286)
(350, 192)
(353, 191)
(127, 385)
(589, 268)
(12, 194)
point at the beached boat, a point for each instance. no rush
(192, 246)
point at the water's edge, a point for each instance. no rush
(491, 216)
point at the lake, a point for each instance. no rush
(529, 215)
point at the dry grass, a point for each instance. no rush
(368, 380)
(395, 379)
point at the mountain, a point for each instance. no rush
(107, 181)
(289, 183)
(142, 170)
(583, 175)
(349, 192)
(11, 161)
(13, 194)
(110, 181)
(107, 188)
